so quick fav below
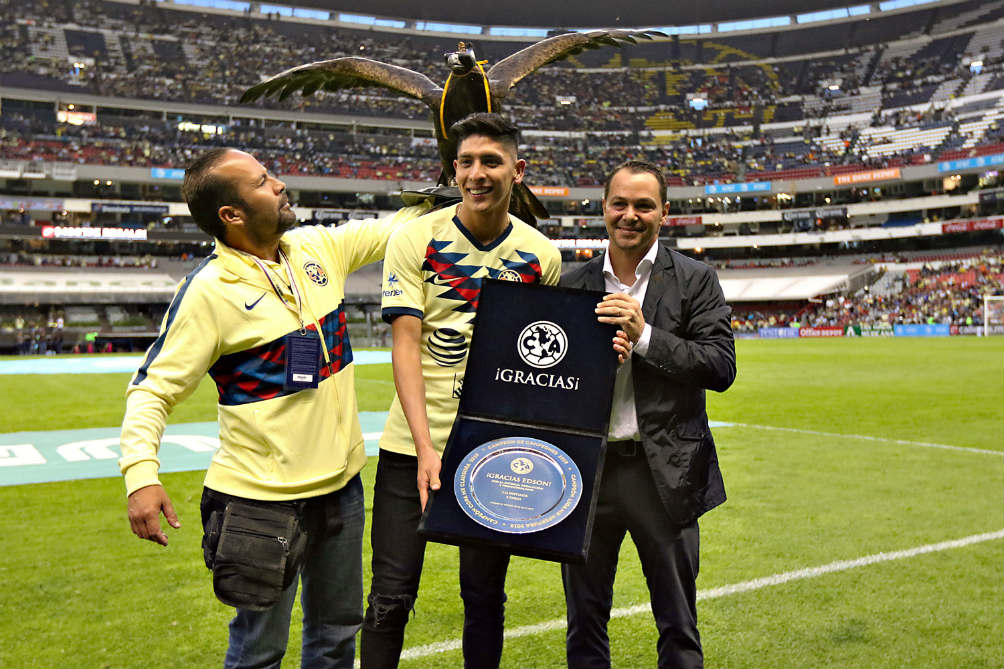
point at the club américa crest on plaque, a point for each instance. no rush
(542, 344)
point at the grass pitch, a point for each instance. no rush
(858, 470)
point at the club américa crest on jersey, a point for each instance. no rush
(316, 273)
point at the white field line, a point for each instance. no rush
(725, 590)
(866, 437)
(904, 442)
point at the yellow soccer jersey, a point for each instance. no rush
(228, 319)
(433, 270)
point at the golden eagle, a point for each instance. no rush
(468, 88)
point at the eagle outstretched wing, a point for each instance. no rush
(349, 72)
(510, 70)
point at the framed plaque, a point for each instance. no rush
(523, 461)
(518, 485)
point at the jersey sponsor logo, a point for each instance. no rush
(252, 305)
(447, 347)
(392, 289)
(542, 344)
(315, 272)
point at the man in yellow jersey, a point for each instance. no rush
(264, 316)
(432, 280)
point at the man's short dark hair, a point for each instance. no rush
(205, 192)
(486, 124)
(638, 167)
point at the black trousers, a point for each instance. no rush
(628, 502)
(398, 554)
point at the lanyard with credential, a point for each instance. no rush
(303, 350)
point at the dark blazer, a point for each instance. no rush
(691, 349)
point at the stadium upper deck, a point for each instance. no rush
(794, 109)
(139, 51)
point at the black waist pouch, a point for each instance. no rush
(255, 551)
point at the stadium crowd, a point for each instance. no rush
(602, 112)
(559, 161)
(35, 333)
(23, 259)
(589, 113)
(946, 293)
(174, 55)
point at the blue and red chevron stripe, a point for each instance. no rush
(259, 373)
(458, 280)
(528, 267)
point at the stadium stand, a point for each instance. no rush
(810, 113)
(939, 291)
(945, 291)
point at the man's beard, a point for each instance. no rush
(287, 221)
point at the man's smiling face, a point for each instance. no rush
(633, 211)
(486, 171)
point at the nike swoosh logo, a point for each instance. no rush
(251, 306)
(438, 280)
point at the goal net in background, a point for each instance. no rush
(993, 314)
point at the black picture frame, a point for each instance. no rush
(514, 389)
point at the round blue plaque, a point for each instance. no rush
(517, 485)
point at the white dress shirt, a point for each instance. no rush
(623, 417)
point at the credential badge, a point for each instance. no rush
(542, 344)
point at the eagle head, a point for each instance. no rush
(462, 60)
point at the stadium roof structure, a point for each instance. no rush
(799, 283)
(587, 14)
(85, 286)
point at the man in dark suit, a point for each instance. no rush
(661, 470)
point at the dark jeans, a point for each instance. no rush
(332, 593)
(398, 553)
(628, 502)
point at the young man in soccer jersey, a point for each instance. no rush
(263, 315)
(432, 280)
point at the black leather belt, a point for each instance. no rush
(625, 449)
